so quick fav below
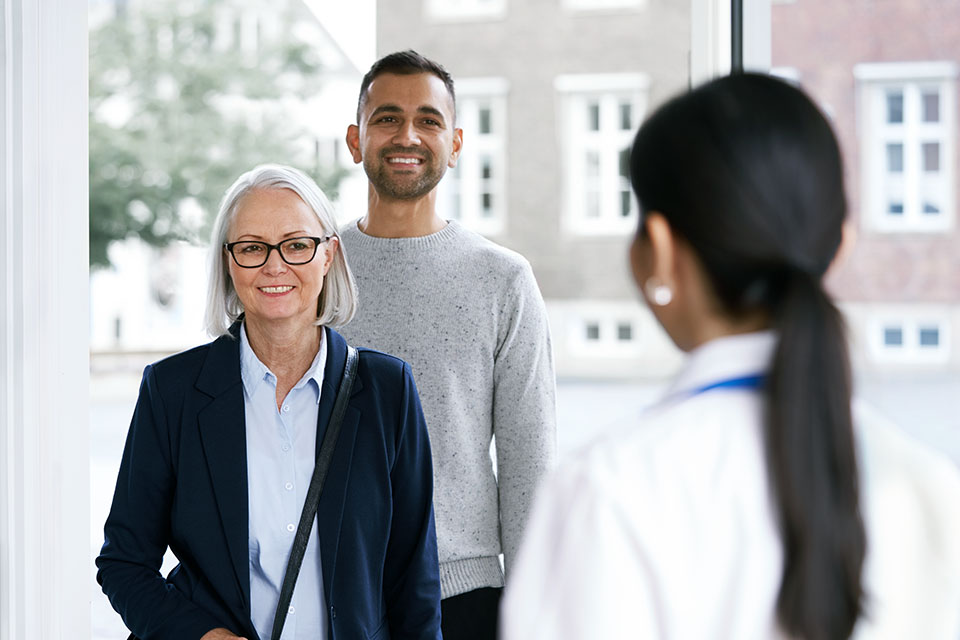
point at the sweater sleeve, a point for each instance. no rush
(524, 406)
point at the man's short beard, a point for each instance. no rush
(385, 186)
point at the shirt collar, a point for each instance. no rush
(726, 358)
(253, 371)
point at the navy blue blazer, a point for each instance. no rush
(183, 484)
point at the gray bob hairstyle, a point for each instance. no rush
(338, 298)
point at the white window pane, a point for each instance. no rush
(931, 157)
(894, 107)
(593, 203)
(625, 200)
(626, 116)
(625, 163)
(486, 205)
(624, 331)
(593, 164)
(593, 331)
(484, 121)
(931, 106)
(895, 157)
(893, 336)
(929, 337)
(593, 116)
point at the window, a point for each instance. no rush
(909, 336)
(907, 145)
(475, 191)
(456, 10)
(609, 331)
(599, 116)
(593, 331)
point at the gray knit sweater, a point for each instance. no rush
(468, 317)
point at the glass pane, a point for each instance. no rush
(895, 157)
(893, 336)
(593, 203)
(624, 332)
(626, 197)
(895, 208)
(593, 116)
(930, 209)
(931, 157)
(929, 337)
(625, 163)
(486, 170)
(593, 331)
(626, 116)
(593, 164)
(894, 107)
(484, 125)
(486, 205)
(931, 106)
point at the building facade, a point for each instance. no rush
(886, 74)
(550, 94)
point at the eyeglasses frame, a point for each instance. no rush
(228, 246)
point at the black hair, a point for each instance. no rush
(748, 171)
(407, 62)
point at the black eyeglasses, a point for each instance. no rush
(251, 254)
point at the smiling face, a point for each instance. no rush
(406, 138)
(278, 292)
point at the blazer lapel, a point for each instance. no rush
(223, 435)
(333, 497)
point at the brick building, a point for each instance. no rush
(886, 73)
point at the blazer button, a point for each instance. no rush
(333, 613)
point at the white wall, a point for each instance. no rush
(44, 482)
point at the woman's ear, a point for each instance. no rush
(660, 279)
(848, 240)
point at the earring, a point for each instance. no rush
(657, 292)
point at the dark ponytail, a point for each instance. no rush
(812, 466)
(747, 170)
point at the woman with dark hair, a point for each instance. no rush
(750, 502)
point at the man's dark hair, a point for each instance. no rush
(404, 63)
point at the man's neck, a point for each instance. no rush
(389, 218)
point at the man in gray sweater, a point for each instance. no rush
(468, 317)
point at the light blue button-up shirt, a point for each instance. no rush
(281, 448)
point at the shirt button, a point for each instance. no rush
(290, 527)
(288, 486)
(285, 447)
(291, 610)
(286, 408)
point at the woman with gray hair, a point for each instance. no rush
(276, 422)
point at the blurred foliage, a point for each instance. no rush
(176, 116)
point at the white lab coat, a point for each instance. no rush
(664, 529)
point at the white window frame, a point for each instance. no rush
(607, 344)
(605, 6)
(608, 92)
(910, 322)
(45, 569)
(438, 11)
(463, 188)
(874, 82)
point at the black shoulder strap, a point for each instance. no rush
(313, 492)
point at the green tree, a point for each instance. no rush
(176, 115)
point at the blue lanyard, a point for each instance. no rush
(756, 381)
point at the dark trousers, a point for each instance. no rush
(472, 615)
